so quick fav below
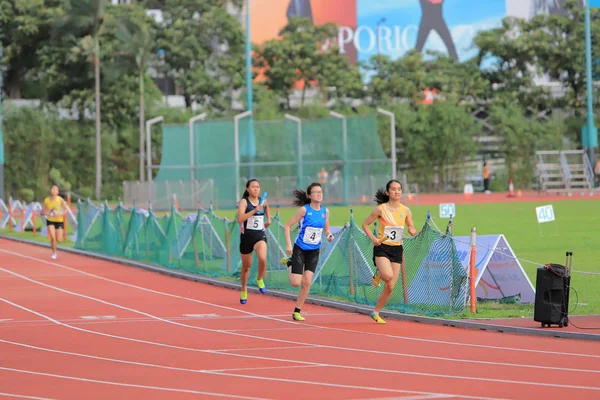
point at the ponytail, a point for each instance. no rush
(382, 196)
(301, 197)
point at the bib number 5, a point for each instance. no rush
(256, 223)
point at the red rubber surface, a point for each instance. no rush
(146, 347)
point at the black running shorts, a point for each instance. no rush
(392, 253)
(304, 260)
(56, 225)
(248, 240)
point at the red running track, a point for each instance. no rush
(163, 337)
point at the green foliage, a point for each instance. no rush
(435, 136)
(203, 47)
(57, 179)
(522, 136)
(50, 47)
(303, 56)
(26, 195)
(24, 26)
(38, 146)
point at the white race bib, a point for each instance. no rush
(312, 235)
(256, 223)
(394, 233)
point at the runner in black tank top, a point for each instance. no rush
(253, 216)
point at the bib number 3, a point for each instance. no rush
(394, 233)
(312, 235)
(256, 223)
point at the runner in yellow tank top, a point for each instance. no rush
(54, 209)
(391, 224)
(388, 252)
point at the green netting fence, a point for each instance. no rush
(432, 282)
(283, 155)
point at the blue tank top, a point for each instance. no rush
(311, 228)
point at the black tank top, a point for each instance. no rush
(253, 222)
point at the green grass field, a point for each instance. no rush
(576, 229)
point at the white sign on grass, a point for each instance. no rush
(447, 210)
(544, 213)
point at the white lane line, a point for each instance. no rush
(358, 350)
(311, 363)
(22, 396)
(111, 383)
(398, 337)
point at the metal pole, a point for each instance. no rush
(345, 151)
(1, 135)
(298, 122)
(392, 138)
(589, 133)
(192, 146)
(149, 124)
(251, 149)
(236, 146)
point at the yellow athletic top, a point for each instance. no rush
(392, 224)
(54, 205)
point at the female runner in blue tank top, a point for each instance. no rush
(314, 221)
(251, 217)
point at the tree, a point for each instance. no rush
(136, 47)
(399, 78)
(25, 24)
(410, 75)
(522, 136)
(203, 47)
(558, 44)
(305, 55)
(88, 17)
(435, 137)
(507, 58)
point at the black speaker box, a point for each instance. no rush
(551, 297)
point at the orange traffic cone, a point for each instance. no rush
(468, 191)
(511, 189)
(519, 194)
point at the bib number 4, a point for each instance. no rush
(312, 235)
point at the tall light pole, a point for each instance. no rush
(149, 124)
(589, 132)
(191, 121)
(392, 117)
(236, 145)
(1, 136)
(298, 122)
(251, 144)
(345, 173)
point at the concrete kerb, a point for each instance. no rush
(353, 308)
